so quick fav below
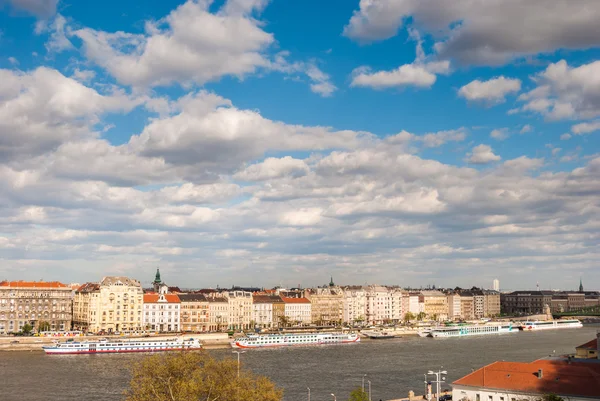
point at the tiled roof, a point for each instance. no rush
(592, 345)
(266, 299)
(89, 287)
(153, 298)
(561, 377)
(33, 284)
(295, 300)
(192, 297)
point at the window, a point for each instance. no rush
(477, 397)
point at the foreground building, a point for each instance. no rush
(516, 381)
(112, 305)
(34, 302)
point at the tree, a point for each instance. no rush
(183, 376)
(43, 326)
(409, 316)
(421, 316)
(26, 329)
(358, 394)
(552, 397)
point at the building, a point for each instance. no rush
(516, 381)
(478, 304)
(491, 306)
(161, 312)
(218, 312)
(262, 311)
(354, 306)
(112, 305)
(588, 350)
(194, 313)
(34, 302)
(467, 306)
(435, 304)
(454, 306)
(496, 285)
(397, 306)
(379, 305)
(525, 302)
(297, 311)
(240, 309)
(327, 305)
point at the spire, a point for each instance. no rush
(580, 285)
(157, 277)
(331, 282)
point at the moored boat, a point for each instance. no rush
(122, 346)
(459, 331)
(289, 340)
(379, 335)
(551, 324)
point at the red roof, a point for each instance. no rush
(559, 377)
(591, 345)
(295, 300)
(33, 284)
(153, 298)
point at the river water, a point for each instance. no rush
(393, 366)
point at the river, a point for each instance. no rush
(393, 366)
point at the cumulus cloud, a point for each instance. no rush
(482, 154)
(39, 8)
(492, 91)
(525, 129)
(59, 32)
(485, 32)
(585, 128)
(500, 134)
(272, 168)
(565, 92)
(191, 44)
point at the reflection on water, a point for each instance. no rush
(393, 366)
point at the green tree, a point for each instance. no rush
(421, 316)
(186, 376)
(409, 316)
(358, 394)
(26, 329)
(43, 326)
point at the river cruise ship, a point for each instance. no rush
(552, 324)
(121, 346)
(459, 331)
(288, 340)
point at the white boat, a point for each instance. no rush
(289, 340)
(424, 333)
(459, 331)
(552, 324)
(121, 346)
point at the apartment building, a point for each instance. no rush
(327, 304)
(262, 311)
(194, 313)
(161, 312)
(354, 307)
(435, 304)
(379, 305)
(34, 302)
(297, 311)
(240, 309)
(218, 311)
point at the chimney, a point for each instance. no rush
(540, 374)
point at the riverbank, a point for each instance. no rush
(35, 344)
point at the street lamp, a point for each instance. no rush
(363, 383)
(333, 395)
(308, 393)
(369, 381)
(438, 379)
(238, 361)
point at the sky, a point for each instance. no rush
(263, 143)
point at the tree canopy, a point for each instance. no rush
(358, 394)
(190, 376)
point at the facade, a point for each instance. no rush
(379, 305)
(397, 309)
(194, 313)
(478, 304)
(435, 304)
(161, 312)
(113, 305)
(240, 309)
(262, 311)
(327, 305)
(218, 312)
(491, 306)
(516, 381)
(34, 302)
(467, 306)
(297, 311)
(526, 302)
(454, 306)
(354, 305)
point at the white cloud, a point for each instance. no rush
(565, 92)
(485, 32)
(482, 154)
(405, 75)
(433, 140)
(492, 91)
(525, 129)
(189, 45)
(272, 168)
(59, 30)
(500, 134)
(565, 137)
(13, 61)
(320, 82)
(585, 128)
(39, 8)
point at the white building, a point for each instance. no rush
(297, 310)
(354, 305)
(379, 305)
(517, 381)
(161, 312)
(496, 285)
(262, 311)
(397, 306)
(240, 309)
(454, 307)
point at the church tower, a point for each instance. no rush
(580, 285)
(157, 282)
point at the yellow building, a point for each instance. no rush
(113, 305)
(435, 304)
(194, 312)
(327, 305)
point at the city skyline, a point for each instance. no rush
(245, 142)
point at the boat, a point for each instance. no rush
(551, 324)
(474, 330)
(379, 335)
(424, 333)
(106, 346)
(290, 340)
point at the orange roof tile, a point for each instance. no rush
(153, 298)
(33, 284)
(592, 344)
(559, 377)
(295, 300)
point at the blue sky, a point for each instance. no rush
(263, 142)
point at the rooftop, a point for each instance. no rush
(295, 300)
(33, 284)
(591, 345)
(559, 376)
(153, 298)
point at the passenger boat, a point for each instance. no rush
(459, 331)
(552, 324)
(379, 335)
(290, 340)
(121, 346)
